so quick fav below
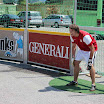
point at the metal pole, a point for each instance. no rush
(26, 14)
(70, 62)
(25, 52)
(95, 35)
(75, 11)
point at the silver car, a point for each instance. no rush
(34, 18)
(57, 20)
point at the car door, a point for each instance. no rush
(22, 15)
(55, 19)
(47, 21)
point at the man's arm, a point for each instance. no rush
(92, 50)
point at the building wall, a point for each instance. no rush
(1, 1)
(7, 9)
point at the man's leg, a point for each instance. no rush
(76, 73)
(76, 69)
(92, 74)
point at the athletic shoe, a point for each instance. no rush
(93, 88)
(72, 83)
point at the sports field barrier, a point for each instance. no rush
(44, 48)
(83, 17)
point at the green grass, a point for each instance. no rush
(82, 87)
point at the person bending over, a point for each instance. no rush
(87, 50)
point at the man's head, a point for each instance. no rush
(74, 30)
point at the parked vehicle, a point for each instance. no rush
(57, 20)
(10, 1)
(71, 17)
(34, 18)
(10, 20)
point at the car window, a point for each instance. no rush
(56, 17)
(23, 13)
(29, 14)
(19, 14)
(34, 14)
(53, 17)
(65, 17)
(70, 16)
(5, 16)
(13, 16)
(48, 17)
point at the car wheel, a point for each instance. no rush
(66, 26)
(38, 26)
(5, 24)
(56, 25)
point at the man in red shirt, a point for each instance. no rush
(87, 50)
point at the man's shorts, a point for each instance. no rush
(84, 55)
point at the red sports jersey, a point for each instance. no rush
(84, 40)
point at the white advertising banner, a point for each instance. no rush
(11, 44)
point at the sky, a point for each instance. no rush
(37, 0)
(43, 0)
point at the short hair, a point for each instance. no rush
(74, 27)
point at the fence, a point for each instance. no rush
(88, 14)
(99, 63)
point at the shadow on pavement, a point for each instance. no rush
(27, 68)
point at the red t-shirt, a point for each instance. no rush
(84, 40)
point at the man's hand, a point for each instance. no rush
(89, 64)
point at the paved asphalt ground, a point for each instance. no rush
(25, 84)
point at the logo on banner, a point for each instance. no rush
(12, 48)
(49, 49)
(6, 44)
